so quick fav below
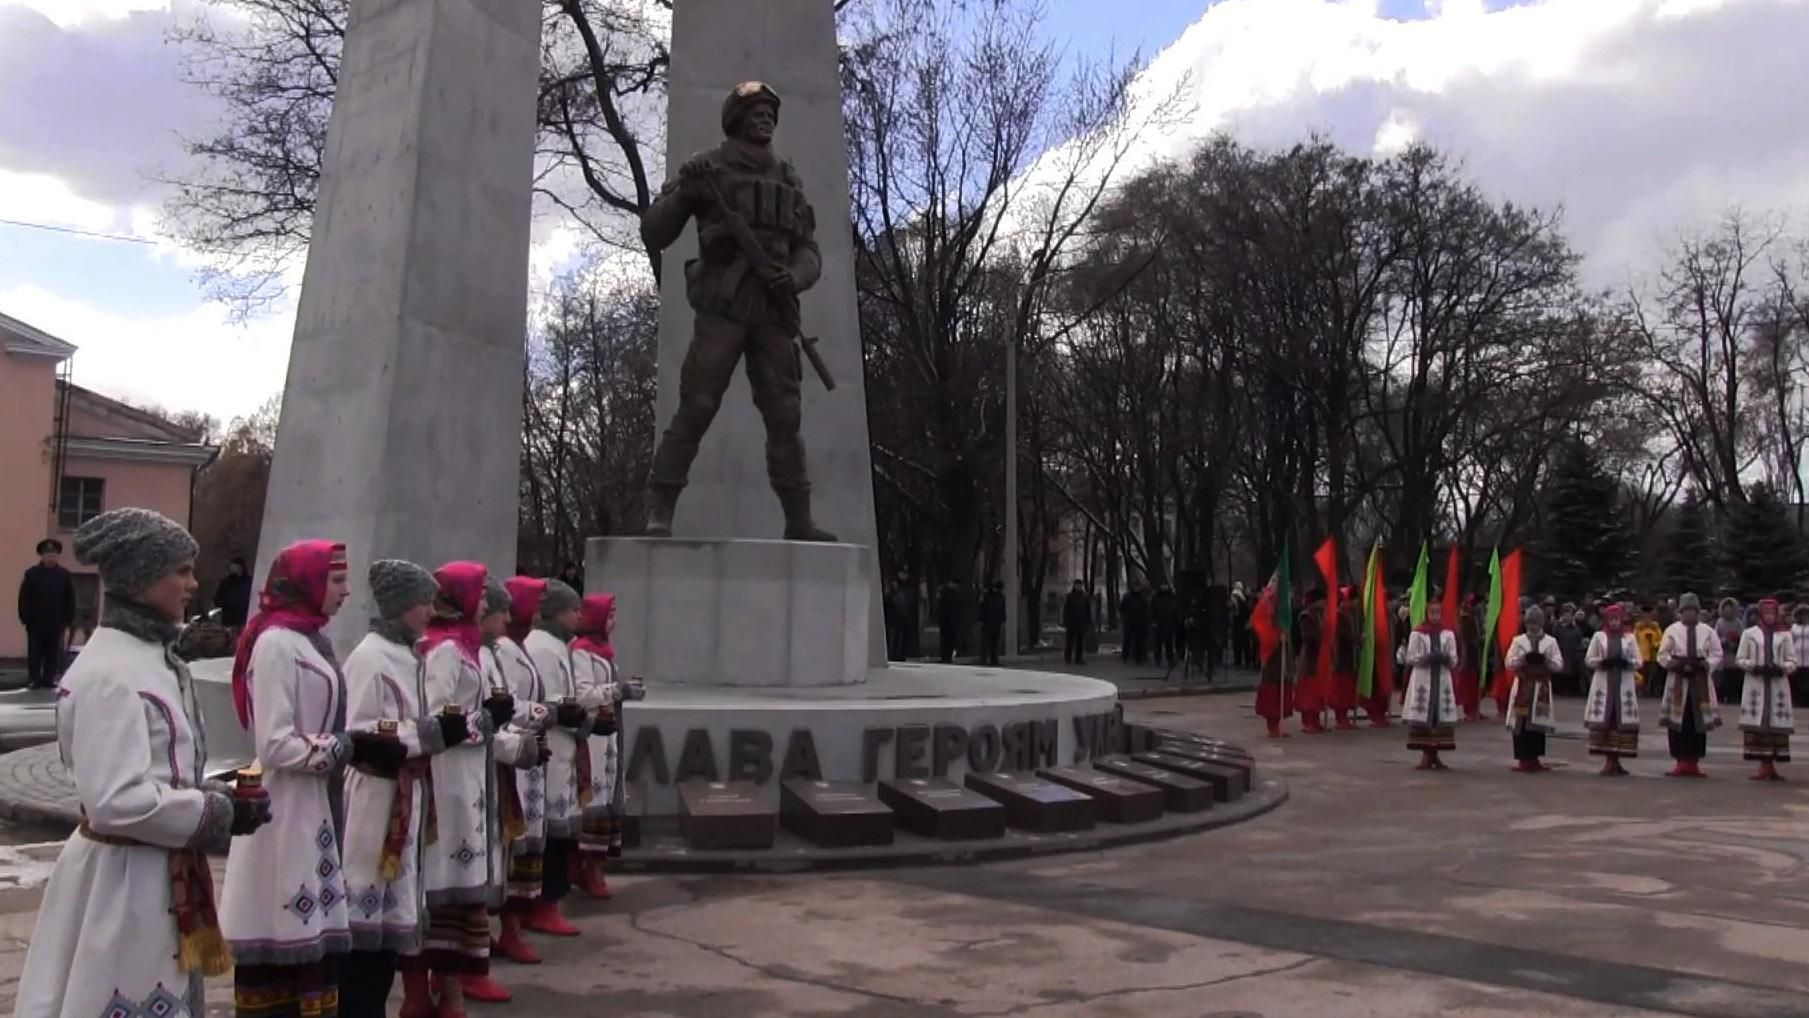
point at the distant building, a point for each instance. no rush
(68, 454)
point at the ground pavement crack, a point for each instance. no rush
(1127, 991)
(784, 974)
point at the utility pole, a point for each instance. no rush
(1014, 609)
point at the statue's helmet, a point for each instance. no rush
(744, 97)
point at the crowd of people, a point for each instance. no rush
(1611, 651)
(461, 765)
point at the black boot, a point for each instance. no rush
(798, 525)
(660, 503)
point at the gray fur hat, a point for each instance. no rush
(1689, 601)
(496, 595)
(398, 585)
(133, 548)
(558, 599)
(1535, 617)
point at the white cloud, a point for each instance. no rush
(191, 360)
(41, 198)
(1637, 116)
(69, 13)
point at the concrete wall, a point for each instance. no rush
(27, 395)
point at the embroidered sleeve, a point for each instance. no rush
(114, 761)
(286, 739)
(214, 834)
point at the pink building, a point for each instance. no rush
(68, 454)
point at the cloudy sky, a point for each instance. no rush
(1639, 117)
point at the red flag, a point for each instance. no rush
(1507, 626)
(1382, 686)
(1269, 619)
(1326, 558)
(1450, 600)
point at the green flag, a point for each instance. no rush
(1494, 615)
(1366, 662)
(1416, 594)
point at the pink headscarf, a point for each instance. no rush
(292, 598)
(525, 593)
(1614, 618)
(456, 609)
(1776, 623)
(593, 625)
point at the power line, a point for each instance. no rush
(76, 232)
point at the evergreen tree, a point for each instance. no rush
(1766, 553)
(1588, 541)
(1690, 563)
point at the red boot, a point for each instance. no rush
(512, 945)
(1686, 769)
(1428, 761)
(1611, 768)
(545, 917)
(1526, 766)
(587, 876)
(1344, 724)
(417, 992)
(1311, 724)
(1768, 771)
(1378, 718)
(1275, 731)
(482, 989)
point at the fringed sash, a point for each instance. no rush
(513, 822)
(415, 773)
(201, 946)
(581, 763)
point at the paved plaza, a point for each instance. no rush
(1376, 890)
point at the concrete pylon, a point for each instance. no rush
(791, 45)
(400, 431)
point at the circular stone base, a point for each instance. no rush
(663, 849)
(908, 720)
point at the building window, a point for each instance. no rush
(79, 501)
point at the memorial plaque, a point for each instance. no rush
(1181, 794)
(725, 815)
(1120, 799)
(1209, 754)
(939, 808)
(834, 814)
(1228, 783)
(634, 805)
(1037, 804)
(1169, 740)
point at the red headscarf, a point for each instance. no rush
(525, 593)
(593, 625)
(1613, 618)
(1429, 627)
(292, 597)
(1776, 624)
(456, 609)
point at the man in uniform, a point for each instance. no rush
(742, 308)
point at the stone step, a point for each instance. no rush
(834, 814)
(634, 807)
(1181, 793)
(1120, 800)
(725, 815)
(939, 808)
(1037, 804)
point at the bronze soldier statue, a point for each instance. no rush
(757, 251)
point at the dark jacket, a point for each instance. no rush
(1573, 643)
(1133, 609)
(233, 598)
(948, 607)
(1077, 610)
(1166, 608)
(47, 599)
(992, 608)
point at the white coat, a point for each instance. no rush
(1765, 706)
(284, 901)
(130, 734)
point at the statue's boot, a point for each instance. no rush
(660, 504)
(798, 524)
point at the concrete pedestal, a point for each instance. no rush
(736, 613)
(400, 425)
